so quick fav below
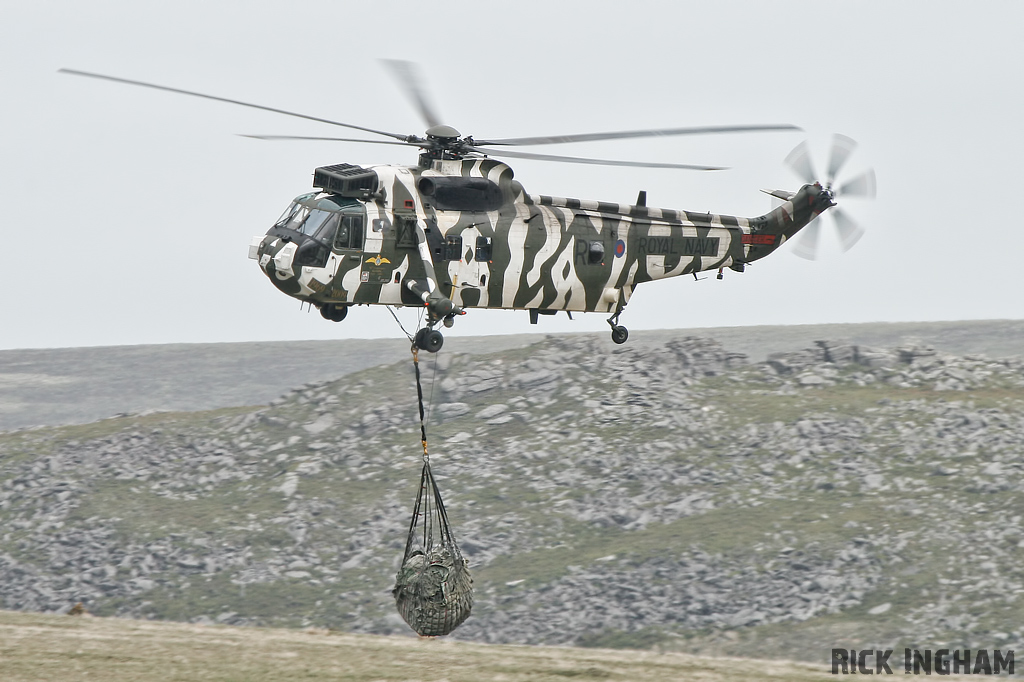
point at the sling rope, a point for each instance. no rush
(433, 589)
(419, 396)
(400, 325)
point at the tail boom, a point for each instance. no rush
(771, 230)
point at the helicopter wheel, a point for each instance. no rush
(619, 334)
(429, 340)
(332, 312)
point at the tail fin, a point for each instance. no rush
(771, 230)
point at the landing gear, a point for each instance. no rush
(333, 312)
(619, 333)
(429, 340)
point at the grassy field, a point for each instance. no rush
(47, 647)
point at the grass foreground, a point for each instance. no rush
(52, 647)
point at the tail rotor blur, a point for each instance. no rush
(860, 186)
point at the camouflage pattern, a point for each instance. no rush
(434, 591)
(531, 252)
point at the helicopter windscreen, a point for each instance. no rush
(325, 229)
(333, 222)
(315, 222)
(293, 217)
(287, 214)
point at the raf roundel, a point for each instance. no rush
(620, 248)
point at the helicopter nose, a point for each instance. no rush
(254, 247)
(260, 251)
(275, 256)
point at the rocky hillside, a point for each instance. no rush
(673, 495)
(58, 386)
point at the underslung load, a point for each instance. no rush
(433, 588)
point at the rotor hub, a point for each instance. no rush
(443, 132)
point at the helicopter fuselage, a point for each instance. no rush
(462, 233)
(457, 231)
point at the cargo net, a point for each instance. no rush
(433, 588)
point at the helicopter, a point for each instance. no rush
(457, 232)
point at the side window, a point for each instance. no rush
(356, 233)
(344, 230)
(350, 233)
(483, 249)
(453, 248)
(595, 253)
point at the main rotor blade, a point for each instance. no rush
(594, 162)
(849, 231)
(623, 134)
(861, 186)
(842, 147)
(73, 72)
(327, 139)
(411, 80)
(807, 245)
(800, 161)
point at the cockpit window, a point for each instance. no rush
(286, 217)
(327, 230)
(350, 234)
(334, 222)
(314, 221)
(293, 217)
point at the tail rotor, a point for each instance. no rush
(862, 186)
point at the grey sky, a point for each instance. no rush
(126, 213)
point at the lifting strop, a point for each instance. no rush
(433, 588)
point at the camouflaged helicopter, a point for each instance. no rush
(457, 231)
